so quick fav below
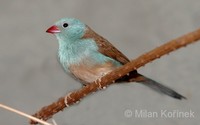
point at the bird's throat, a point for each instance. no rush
(72, 52)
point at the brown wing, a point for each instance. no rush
(105, 47)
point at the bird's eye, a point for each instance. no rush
(65, 25)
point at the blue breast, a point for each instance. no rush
(84, 61)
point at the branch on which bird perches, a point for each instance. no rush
(47, 112)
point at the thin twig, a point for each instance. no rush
(24, 114)
(48, 111)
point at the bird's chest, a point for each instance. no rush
(70, 53)
(87, 67)
(84, 62)
(88, 73)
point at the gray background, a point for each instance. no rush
(30, 76)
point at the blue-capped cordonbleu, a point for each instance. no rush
(87, 56)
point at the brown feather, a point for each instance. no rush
(89, 73)
(105, 47)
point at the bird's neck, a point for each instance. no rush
(72, 52)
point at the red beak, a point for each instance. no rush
(54, 29)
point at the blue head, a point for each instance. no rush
(72, 48)
(68, 29)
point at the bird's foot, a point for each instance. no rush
(68, 96)
(98, 83)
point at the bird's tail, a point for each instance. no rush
(136, 77)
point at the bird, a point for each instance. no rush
(86, 56)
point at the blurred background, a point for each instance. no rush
(31, 77)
